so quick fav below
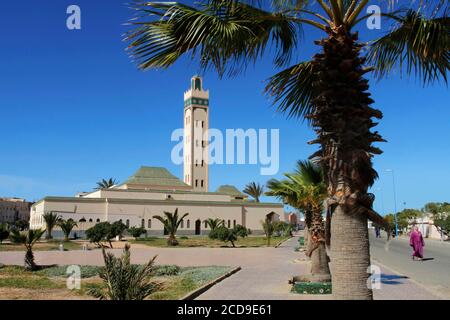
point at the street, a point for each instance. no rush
(433, 272)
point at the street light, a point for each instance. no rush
(395, 201)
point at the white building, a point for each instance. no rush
(152, 190)
(427, 227)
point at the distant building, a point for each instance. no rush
(293, 218)
(427, 227)
(152, 190)
(13, 209)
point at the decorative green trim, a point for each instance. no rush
(197, 101)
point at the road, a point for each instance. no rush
(432, 273)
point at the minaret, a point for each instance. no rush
(196, 123)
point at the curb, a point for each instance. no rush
(194, 294)
(426, 288)
(279, 244)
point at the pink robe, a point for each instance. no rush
(417, 244)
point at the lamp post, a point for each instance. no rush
(395, 201)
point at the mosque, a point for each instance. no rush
(152, 190)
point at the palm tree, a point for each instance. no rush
(213, 224)
(305, 190)
(123, 280)
(171, 223)
(254, 190)
(66, 227)
(105, 184)
(51, 220)
(330, 90)
(28, 239)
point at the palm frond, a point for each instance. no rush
(227, 35)
(420, 43)
(292, 89)
(254, 190)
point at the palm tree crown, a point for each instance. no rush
(254, 190)
(213, 224)
(171, 222)
(106, 184)
(66, 227)
(51, 220)
(28, 239)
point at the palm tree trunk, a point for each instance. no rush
(48, 236)
(342, 118)
(317, 250)
(350, 257)
(29, 259)
(315, 246)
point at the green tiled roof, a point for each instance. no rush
(230, 190)
(155, 176)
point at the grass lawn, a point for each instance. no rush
(252, 241)
(42, 246)
(50, 283)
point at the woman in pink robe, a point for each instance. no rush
(417, 243)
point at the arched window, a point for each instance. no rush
(98, 220)
(188, 224)
(198, 85)
(149, 223)
(229, 223)
(201, 184)
(90, 220)
(234, 223)
(128, 223)
(206, 224)
(143, 223)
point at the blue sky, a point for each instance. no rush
(75, 109)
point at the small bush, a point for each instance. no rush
(136, 232)
(167, 270)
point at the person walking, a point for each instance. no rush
(417, 243)
(377, 232)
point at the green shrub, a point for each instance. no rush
(136, 232)
(167, 270)
(105, 231)
(225, 234)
